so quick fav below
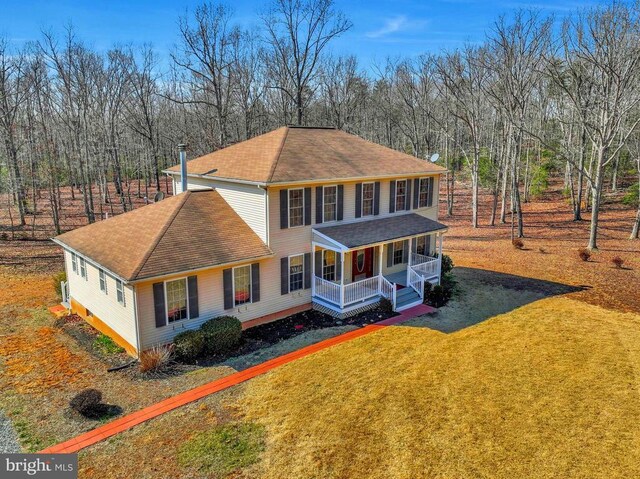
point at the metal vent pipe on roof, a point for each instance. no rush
(182, 148)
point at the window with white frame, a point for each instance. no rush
(398, 252)
(425, 192)
(83, 268)
(367, 199)
(421, 245)
(120, 292)
(296, 207)
(242, 284)
(330, 203)
(74, 263)
(296, 272)
(103, 281)
(401, 195)
(329, 265)
(177, 305)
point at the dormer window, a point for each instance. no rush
(330, 203)
(401, 195)
(296, 207)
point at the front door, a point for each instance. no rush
(362, 264)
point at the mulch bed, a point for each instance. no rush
(266, 335)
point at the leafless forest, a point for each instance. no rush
(541, 97)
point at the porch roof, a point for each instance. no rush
(380, 230)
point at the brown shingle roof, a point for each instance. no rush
(192, 230)
(292, 154)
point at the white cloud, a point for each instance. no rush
(392, 25)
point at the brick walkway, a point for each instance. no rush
(126, 422)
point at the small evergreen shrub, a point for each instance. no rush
(57, 279)
(221, 334)
(189, 345)
(618, 262)
(87, 403)
(386, 306)
(439, 296)
(632, 196)
(427, 291)
(517, 243)
(446, 265)
(584, 254)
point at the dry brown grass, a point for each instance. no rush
(549, 390)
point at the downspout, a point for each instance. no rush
(135, 319)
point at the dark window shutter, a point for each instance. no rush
(307, 206)
(338, 267)
(307, 270)
(389, 255)
(319, 203)
(318, 261)
(430, 191)
(407, 200)
(340, 202)
(358, 200)
(414, 245)
(255, 282)
(284, 209)
(284, 275)
(392, 196)
(427, 245)
(416, 193)
(192, 283)
(158, 303)
(405, 251)
(376, 199)
(227, 283)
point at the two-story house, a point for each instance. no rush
(289, 220)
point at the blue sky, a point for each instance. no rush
(381, 28)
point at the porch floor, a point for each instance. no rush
(398, 278)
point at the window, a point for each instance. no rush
(74, 263)
(330, 203)
(120, 292)
(296, 207)
(103, 281)
(242, 285)
(176, 293)
(421, 245)
(329, 265)
(398, 252)
(425, 194)
(83, 268)
(367, 199)
(401, 195)
(296, 272)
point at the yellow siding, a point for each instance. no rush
(105, 306)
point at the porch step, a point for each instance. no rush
(406, 298)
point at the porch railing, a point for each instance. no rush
(327, 290)
(388, 290)
(361, 290)
(416, 281)
(425, 265)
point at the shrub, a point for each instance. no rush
(446, 265)
(386, 306)
(427, 291)
(584, 254)
(632, 197)
(57, 279)
(156, 359)
(106, 345)
(221, 334)
(439, 296)
(188, 345)
(87, 403)
(617, 261)
(517, 243)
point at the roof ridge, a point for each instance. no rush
(275, 163)
(160, 234)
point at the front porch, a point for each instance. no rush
(390, 258)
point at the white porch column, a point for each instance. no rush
(313, 268)
(380, 258)
(440, 237)
(342, 279)
(409, 254)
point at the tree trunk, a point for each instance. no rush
(596, 193)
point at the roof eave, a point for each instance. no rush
(217, 178)
(90, 260)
